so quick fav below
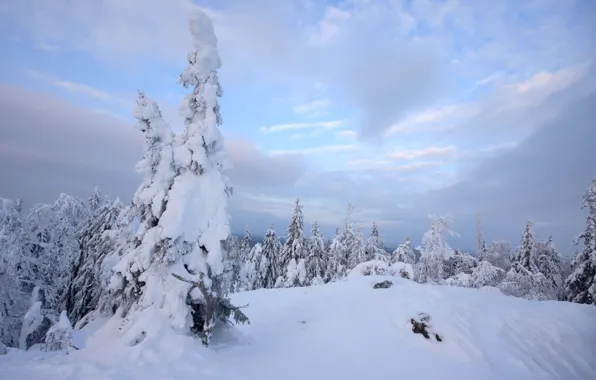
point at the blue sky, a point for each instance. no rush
(383, 103)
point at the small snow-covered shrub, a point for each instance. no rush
(59, 336)
(370, 268)
(401, 269)
(463, 280)
(519, 282)
(3, 349)
(484, 274)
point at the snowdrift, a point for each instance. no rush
(348, 331)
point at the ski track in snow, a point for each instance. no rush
(348, 331)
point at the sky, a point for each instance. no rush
(405, 108)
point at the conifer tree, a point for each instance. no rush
(316, 259)
(97, 239)
(293, 252)
(271, 252)
(375, 248)
(404, 253)
(525, 252)
(435, 251)
(176, 266)
(334, 270)
(581, 283)
(548, 262)
(245, 245)
(348, 243)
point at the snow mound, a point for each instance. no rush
(347, 330)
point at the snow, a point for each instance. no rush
(343, 330)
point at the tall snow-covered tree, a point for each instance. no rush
(245, 245)
(375, 248)
(316, 260)
(580, 286)
(232, 248)
(96, 200)
(256, 268)
(335, 252)
(404, 253)
(14, 271)
(54, 247)
(526, 251)
(97, 239)
(175, 270)
(479, 238)
(358, 250)
(548, 262)
(271, 251)
(435, 250)
(293, 253)
(147, 246)
(348, 243)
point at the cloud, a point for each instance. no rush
(79, 88)
(305, 125)
(49, 146)
(316, 108)
(431, 151)
(313, 150)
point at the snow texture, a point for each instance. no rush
(345, 330)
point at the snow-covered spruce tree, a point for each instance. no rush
(435, 251)
(580, 286)
(255, 268)
(97, 239)
(293, 253)
(271, 251)
(480, 253)
(358, 251)
(232, 247)
(54, 247)
(13, 267)
(245, 244)
(96, 201)
(348, 243)
(110, 299)
(548, 263)
(316, 262)
(176, 267)
(334, 270)
(404, 253)
(526, 251)
(375, 248)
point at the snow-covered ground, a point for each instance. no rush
(346, 330)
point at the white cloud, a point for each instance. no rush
(432, 151)
(346, 134)
(79, 88)
(306, 125)
(315, 108)
(313, 150)
(329, 27)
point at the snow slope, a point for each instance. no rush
(347, 330)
